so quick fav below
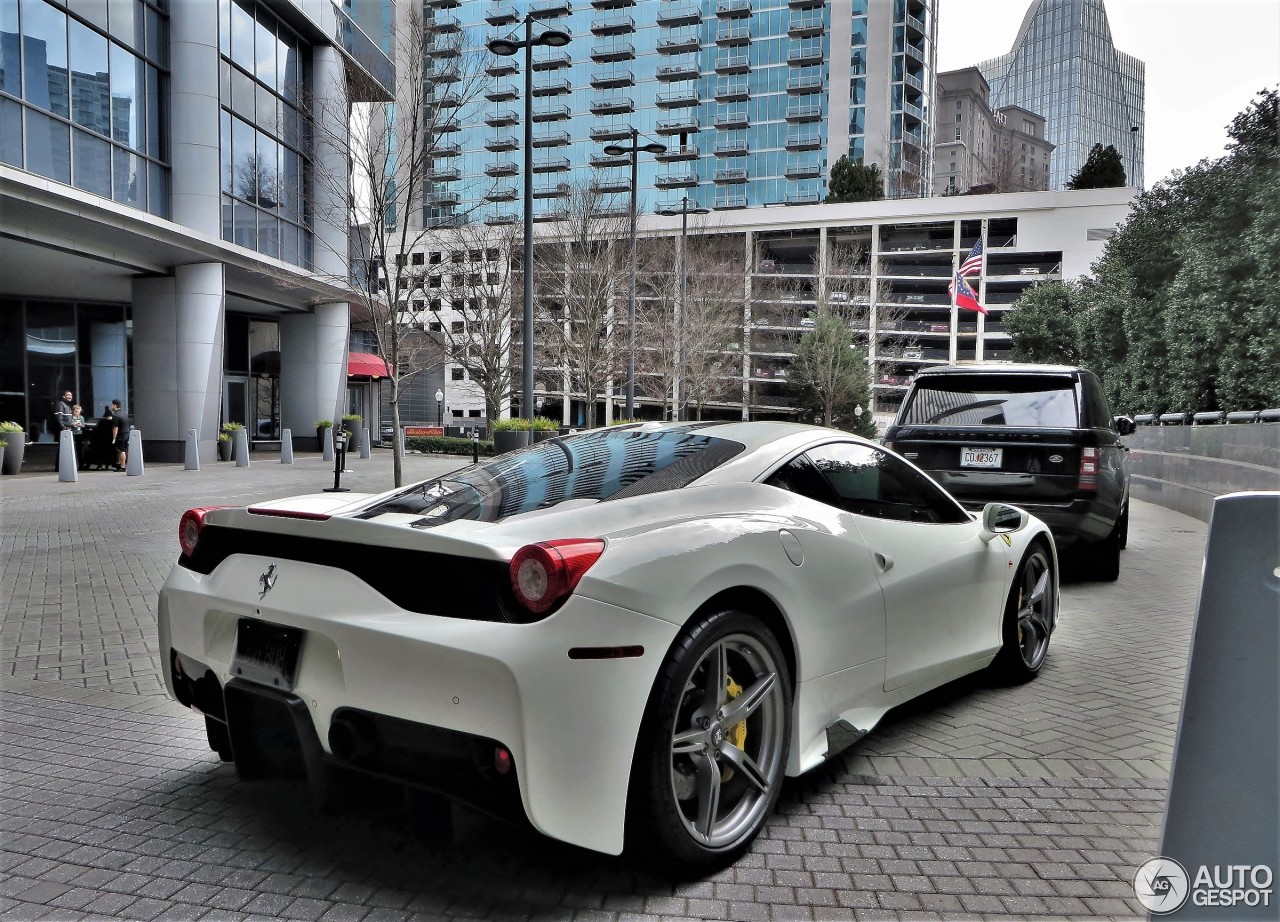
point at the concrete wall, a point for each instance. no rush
(1185, 467)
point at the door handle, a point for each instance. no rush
(884, 561)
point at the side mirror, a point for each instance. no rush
(999, 519)
(1124, 425)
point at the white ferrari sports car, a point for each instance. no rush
(626, 637)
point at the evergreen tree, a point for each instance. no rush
(1102, 170)
(1043, 326)
(854, 182)
(829, 378)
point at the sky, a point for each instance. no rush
(1206, 60)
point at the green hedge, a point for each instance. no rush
(444, 445)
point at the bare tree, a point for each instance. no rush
(483, 291)
(714, 303)
(581, 267)
(374, 166)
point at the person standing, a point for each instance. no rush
(119, 433)
(78, 434)
(61, 416)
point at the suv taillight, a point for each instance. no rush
(1088, 471)
(542, 574)
(190, 526)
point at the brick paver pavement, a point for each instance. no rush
(977, 801)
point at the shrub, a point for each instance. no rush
(444, 445)
(10, 427)
(542, 424)
(352, 418)
(519, 424)
(324, 424)
(224, 436)
(231, 428)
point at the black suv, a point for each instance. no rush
(1038, 436)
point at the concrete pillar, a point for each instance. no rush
(178, 329)
(313, 369)
(194, 117)
(329, 181)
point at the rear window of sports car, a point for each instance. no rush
(602, 465)
(1038, 401)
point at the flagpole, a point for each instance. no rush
(979, 349)
(955, 311)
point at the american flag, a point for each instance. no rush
(964, 296)
(973, 262)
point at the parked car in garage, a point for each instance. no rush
(1039, 436)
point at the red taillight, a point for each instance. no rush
(542, 574)
(1088, 470)
(189, 527)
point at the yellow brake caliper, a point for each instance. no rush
(737, 734)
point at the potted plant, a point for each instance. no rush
(226, 440)
(510, 434)
(321, 426)
(544, 429)
(351, 422)
(15, 445)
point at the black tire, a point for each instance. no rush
(1030, 614)
(1122, 528)
(1102, 560)
(703, 783)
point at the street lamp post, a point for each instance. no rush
(439, 407)
(677, 387)
(633, 150)
(508, 47)
(1133, 155)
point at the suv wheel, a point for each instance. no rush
(1122, 528)
(1102, 560)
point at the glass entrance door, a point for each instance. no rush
(235, 400)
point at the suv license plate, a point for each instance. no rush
(981, 457)
(267, 653)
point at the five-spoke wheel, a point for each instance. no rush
(1030, 617)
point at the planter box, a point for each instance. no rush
(541, 435)
(15, 447)
(224, 450)
(509, 440)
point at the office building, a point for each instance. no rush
(977, 149)
(164, 239)
(1064, 66)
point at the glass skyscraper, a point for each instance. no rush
(753, 98)
(1065, 67)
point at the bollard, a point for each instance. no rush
(133, 459)
(364, 443)
(340, 445)
(67, 458)
(326, 445)
(241, 447)
(475, 446)
(191, 457)
(1223, 806)
(286, 446)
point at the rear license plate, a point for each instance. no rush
(981, 457)
(267, 653)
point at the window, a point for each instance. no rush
(400, 260)
(474, 414)
(959, 117)
(1042, 401)
(873, 483)
(434, 326)
(435, 257)
(417, 259)
(435, 304)
(957, 134)
(800, 476)
(491, 254)
(457, 374)
(474, 256)
(419, 304)
(457, 327)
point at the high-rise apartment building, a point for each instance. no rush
(754, 99)
(1065, 66)
(978, 149)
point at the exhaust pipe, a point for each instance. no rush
(351, 739)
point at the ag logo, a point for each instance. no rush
(267, 581)
(1161, 885)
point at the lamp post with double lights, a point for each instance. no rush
(507, 47)
(633, 150)
(677, 388)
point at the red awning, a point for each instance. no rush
(365, 365)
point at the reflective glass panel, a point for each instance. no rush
(90, 89)
(92, 163)
(48, 147)
(45, 29)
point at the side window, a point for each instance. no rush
(1097, 403)
(870, 482)
(800, 476)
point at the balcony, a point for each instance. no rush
(730, 9)
(676, 181)
(912, 113)
(612, 106)
(811, 141)
(678, 44)
(444, 174)
(678, 71)
(443, 23)
(610, 133)
(552, 139)
(549, 9)
(914, 82)
(613, 51)
(441, 4)
(551, 165)
(501, 218)
(446, 100)
(915, 25)
(447, 125)
(558, 190)
(732, 148)
(803, 198)
(502, 194)
(677, 99)
(802, 171)
(730, 176)
(734, 91)
(502, 168)
(611, 184)
(501, 14)
(553, 59)
(730, 201)
(804, 4)
(444, 73)
(604, 161)
(805, 24)
(613, 25)
(733, 64)
(556, 87)
(446, 150)
(799, 86)
(915, 54)
(501, 93)
(446, 50)
(502, 67)
(502, 143)
(604, 79)
(686, 15)
(682, 125)
(732, 119)
(612, 4)
(804, 112)
(676, 153)
(552, 113)
(809, 53)
(733, 35)
(443, 198)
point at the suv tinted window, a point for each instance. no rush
(873, 483)
(1041, 401)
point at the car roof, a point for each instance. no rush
(1001, 368)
